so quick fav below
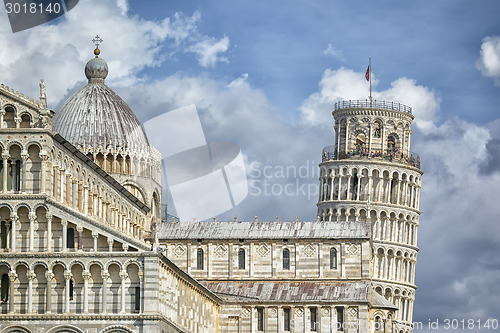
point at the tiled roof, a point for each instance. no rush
(290, 291)
(263, 230)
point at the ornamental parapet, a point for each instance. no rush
(355, 104)
(411, 159)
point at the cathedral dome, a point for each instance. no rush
(96, 114)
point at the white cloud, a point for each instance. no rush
(346, 84)
(423, 101)
(333, 51)
(208, 51)
(489, 61)
(131, 43)
(335, 85)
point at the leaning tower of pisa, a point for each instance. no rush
(370, 176)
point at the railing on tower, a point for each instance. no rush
(353, 103)
(411, 159)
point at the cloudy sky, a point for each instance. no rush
(265, 75)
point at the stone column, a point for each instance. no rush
(64, 224)
(43, 172)
(110, 245)
(5, 158)
(13, 223)
(49, 233)
(340, 185)
(86, 277)
(370, 185)
(85, 200)
(31, 277)
(61, 185)
(123, 276)
(67, 277)
(55, 172)
(348, 187)
(12, 289)
(24, 158)
(95, 236)
(79, 229)
(32, 218)
(2, 114)
(48, 297)
(105, 277)
(74, 193)
(359, 187)
(17, 120)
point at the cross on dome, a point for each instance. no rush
(97, 40)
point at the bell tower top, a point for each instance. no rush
(372, 129)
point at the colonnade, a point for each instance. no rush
(354, 185)
(392, 267)
(87, 199)
(75, 287)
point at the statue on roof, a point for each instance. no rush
(42, 88)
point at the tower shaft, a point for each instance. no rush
(370, 176)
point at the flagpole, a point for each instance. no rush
(370, 75)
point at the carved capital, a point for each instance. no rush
(12, 276)
(86, 275)
(30, 275)
(49, 276)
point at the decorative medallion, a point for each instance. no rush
(273, 312)
(179, 250)
(246, 312)
(263, 250)
(353, 249)
(326, 311)
(220, 251)
(299, 312)
(309, 250)
(353, 311)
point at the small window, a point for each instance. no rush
(286, 318)
(199, 259)
(260, 319)
(241, 259)
(286, 259)
(340, 318)
(333, 258)
(5, 287)
(137, 299)
(71, 238)
(314, 321)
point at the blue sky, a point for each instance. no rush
(265, 75)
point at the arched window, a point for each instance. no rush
(286, 259)
(241, 259)
(377, 323)
(199, 259)
(71, 238)
(391, 144)
(5, 287)
(333, 258)
(3, 235)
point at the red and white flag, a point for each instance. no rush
(367, 75)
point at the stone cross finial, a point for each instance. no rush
(97, 40)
